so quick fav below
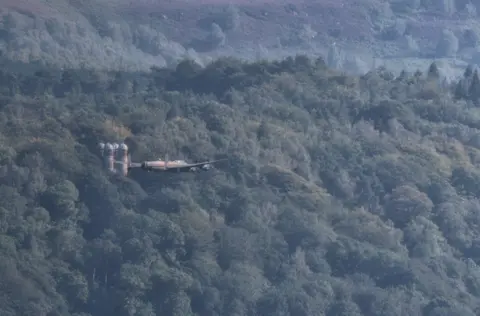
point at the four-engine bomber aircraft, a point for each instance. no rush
(115, 154)
(171, 165)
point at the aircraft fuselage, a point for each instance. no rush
(172, 166)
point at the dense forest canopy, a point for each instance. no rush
(342, 195)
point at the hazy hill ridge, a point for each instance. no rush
(358, 35)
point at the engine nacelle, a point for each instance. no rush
(207, 167)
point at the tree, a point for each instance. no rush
(433, 72)
(474, 90)
(470, 38)
(424, 239)
(232, 18)
(447, 46)
(61, 200)
(333, 58)
(405, 203)
(216, 37)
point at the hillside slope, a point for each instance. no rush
(136, 35)
(342, 195)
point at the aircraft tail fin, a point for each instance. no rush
(166, 161)
(126, 164)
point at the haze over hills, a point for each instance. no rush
(359, 35)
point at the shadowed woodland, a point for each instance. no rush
(342, 195)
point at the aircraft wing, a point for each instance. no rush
(197, 164)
